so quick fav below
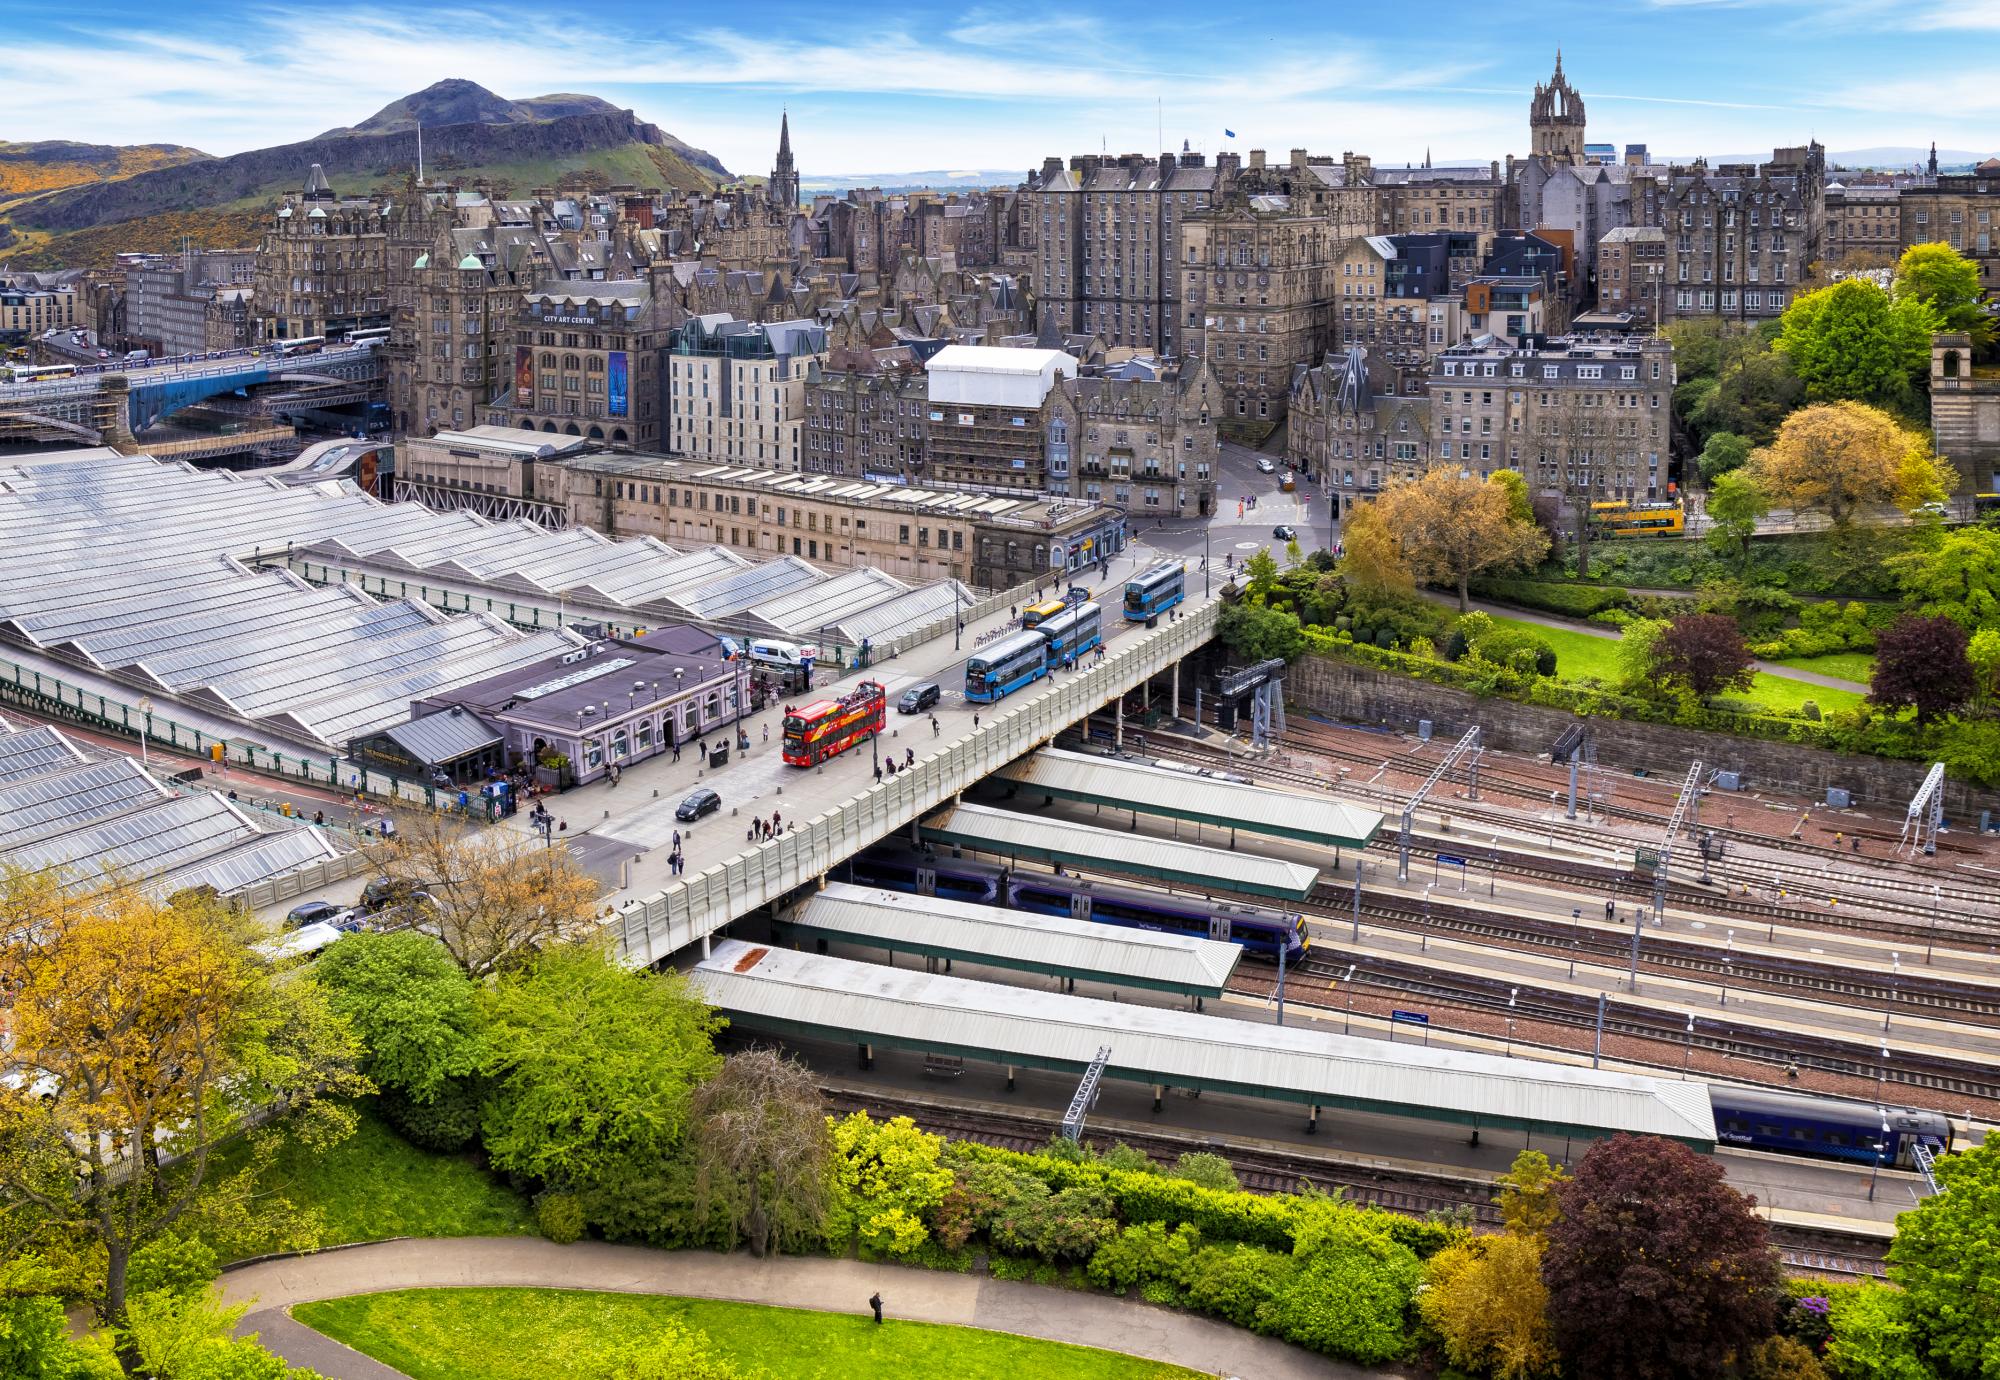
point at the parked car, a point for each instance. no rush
(1931, 510)
(1284, 533)
(918, 698)
(701, 802)
(386, 893)
(1265, 466)
(313, 913)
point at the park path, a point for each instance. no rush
(1549, 620)
(840, 1286)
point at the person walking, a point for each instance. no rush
(776, 823)
(677, 840)
(875, 1302)
(909, 757)
(677, 749)
(878, 773)
(975, 718)
(1610, 911)
(934, 726)
(767, 733)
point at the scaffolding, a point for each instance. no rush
(1466, 749)
(1926, 813)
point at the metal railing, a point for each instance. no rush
(689, 911)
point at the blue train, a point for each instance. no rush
(1259, 930)
(1152, 593)
(1024, 657)
(1800, 1124)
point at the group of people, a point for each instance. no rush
(887, 766)
(762, 829)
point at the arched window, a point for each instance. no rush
(571, 430)
(527, 424)
(1951, 364)
(597, 433)
(570, 362)
(618, 433)
(548, 359)
(549, 427)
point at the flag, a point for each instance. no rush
(1229, 133)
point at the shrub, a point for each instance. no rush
(1068, 1225)
(1517, 649)
(447, 1123)
(1210, 1171)
(184, 1267)
(1124, 1157)
(1456, 645)
(1352, 1290)
(1781, 1358)
(559, 1217)
(1237, 1283)
(1873, 1336)
(1143, 1254)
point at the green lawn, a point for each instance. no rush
(375, 1184)
(1580, 655)
(1854, 666)
(532, 1334)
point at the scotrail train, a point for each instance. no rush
(1024, 657)
(1754, 1118)
(1257, 929)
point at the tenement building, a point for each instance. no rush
(1344, 430)
(589, 360)
(1585, 418)
(1000, 418)
(1147, 438)
(866, 413)
(1963, 210)
(1741, 237)
(1864, 225)
(322, 266)
(1632, 274)
(736, 390)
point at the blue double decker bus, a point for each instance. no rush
(1072, 632)
(1006, 665)
(1149, 595)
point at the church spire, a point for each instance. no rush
(783, 189)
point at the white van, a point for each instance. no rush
(779, 653)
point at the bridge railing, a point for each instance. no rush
(648, 930)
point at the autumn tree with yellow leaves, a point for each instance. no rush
(493, 895)
(145, 1033)
(1450, 527)
(1484, 1295)
(1837, 458)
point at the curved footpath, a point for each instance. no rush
(840, 1286)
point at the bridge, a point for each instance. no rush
(110, 403)
(836, 810)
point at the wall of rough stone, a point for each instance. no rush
(1363, 695)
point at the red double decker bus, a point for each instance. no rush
(827, 728)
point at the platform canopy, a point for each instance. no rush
(1148, 790)
(816, 997)
(1051, 944)
(1017, 835)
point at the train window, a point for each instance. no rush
(1735, 1124)
(1798, 1133)
(1835, 1138)
(1773, 1132)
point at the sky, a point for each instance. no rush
(933, 86)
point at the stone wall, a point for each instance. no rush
(1363, 695)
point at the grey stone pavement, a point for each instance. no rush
(840, 1286)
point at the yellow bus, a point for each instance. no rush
(1662, 518)
(1035, 613)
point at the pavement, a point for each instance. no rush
(842, 1286)
(1544, 620)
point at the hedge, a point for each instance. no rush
(1573, 601)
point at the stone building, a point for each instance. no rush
(1632, 273)
(1963, 210)
(1742, 237)
(1257, 300)
(1585, 418)
(999, 418)
(589, 360)
(1345, 430)
(168, 297)
(1864, 225)
(1556, 119)
(736, 390)
(1965, 412)
(865, 414)
(322, 266)
(1147, 442)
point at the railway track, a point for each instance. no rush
(1266, 1170)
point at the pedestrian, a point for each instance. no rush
(767, 733)
(750, 834)
(875, 1302)
(677, 840)
(891, 767)
(319, 816)
(1792, 1071)
(677, 749)
(776, 823)
(909, 757)
(975, 724)
(1610, 911)
(878, 773)
(934, 726)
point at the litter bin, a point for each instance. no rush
(718, 755)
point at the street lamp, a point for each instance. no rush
(1575, 922)
(145, 708)
(1424, 942)
(1880, 1146)
(1882, 1071)
(1348, 982)
(1513, 994)
(1930, 936)
(1689, 1055)
(1895, 976)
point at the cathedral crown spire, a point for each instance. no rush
(783, 188)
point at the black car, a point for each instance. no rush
(1285, 533)
(384, 892)
(918, 698)
(312, 913)
(702, 802)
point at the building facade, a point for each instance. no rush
(322, 268)
(736, 390)
(589, 360)
(1587, 419)
(999, 418)
(1965, 412)
(1963, 210)
(1741, 238)
(1632, 274)
(1147, 439)
(169, 297)
(28, 312)
(1346, 432)
(1556, 120)
(1864, 226)
(866, 413)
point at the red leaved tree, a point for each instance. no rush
(1705, 653)
(1656, 1269)
(1921, 663)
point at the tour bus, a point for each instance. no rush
(827, 728)
(36, 373)
(304, 345)
(1661, 518)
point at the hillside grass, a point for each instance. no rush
(1855, 666)
(531, 1334)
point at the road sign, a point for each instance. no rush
(1410, 1017)
(1451, 860)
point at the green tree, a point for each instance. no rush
(1294, 554)
(1725, 453)
(1636, 652)
(412, 1006)
(1852, 340)
(890, 1180)
(1947, 282)
(762, 1150)
(1520, 503)
(1352, 1290)
(1260, 574)
(1943, 1256)
(1256, 634)
(1750, 398)
(1527, 1198)
(35, 1342)
(1874, 1336)
(592, 1065)
(191, 1337)
(1210, 1171)
(1735, 504)
(1957, 578)
(1983, 652)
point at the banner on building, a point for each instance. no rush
(524, 376)
(618, 387)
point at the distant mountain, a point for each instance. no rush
(455, 101)
(941, 180)
(56, 163)
(469, 134)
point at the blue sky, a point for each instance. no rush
(945, 86)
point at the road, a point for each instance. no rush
(1249, 503)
